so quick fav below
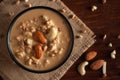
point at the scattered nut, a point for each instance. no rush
(97, 64)
(93, 8)
(118, 36)
(110, 44)
(113, 53)
(104, 69)
(104, 37)
(89, 56)
(104, 1)
(81, 68)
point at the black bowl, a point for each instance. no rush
(13, 56)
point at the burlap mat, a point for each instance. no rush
(10, 71)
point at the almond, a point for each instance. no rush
(38, 51)
(97, 64)
(40, 37)
(90, 55)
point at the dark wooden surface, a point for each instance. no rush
(105, 20)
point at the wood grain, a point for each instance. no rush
(105, 20)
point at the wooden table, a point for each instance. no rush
(105, 20)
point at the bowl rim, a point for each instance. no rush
(12, 54)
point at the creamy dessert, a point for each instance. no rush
(40, 39)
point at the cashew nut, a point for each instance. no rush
(113, 53)
(94, 8)
(81, 68)
(52, 33)
(104, 69)
(104, 37)
(119, 36)
(110, 45)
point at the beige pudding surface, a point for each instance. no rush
(52, 27)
